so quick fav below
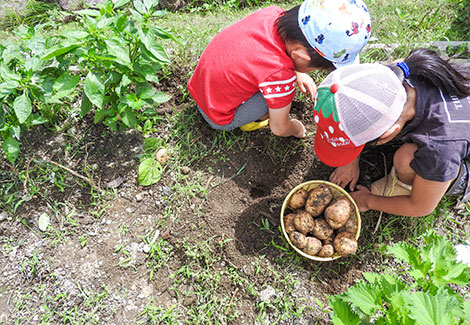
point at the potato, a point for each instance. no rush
(329, 240)
(298, 240)
(345, 243)
(338, 212)
(326, 251)
(289, 222)
(313, 246)
(298, 199)
(318, 198)
(303, 222)
(321, 229)
(350, 225)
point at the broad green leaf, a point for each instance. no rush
(136, 15)
(152, 144)
(149, 4)
(145, 91)
(94, 89)
(121, 3)
(22, 107)
(104, 23)
(153, 47)
(88, 12)
(140, 7)
(37, 120)
(43, 222)
(34, 64)
(117, 49)
(76, 34)
(147, 71)
(85, 106)
(121, 23)
(428, 309)
(65, 84)
(150, 172)
(12, 51)
(466, 311)
(8, 87)
(128, 118)
(11, 147)
(342, 313)
(458, 274)
(7, 75)
(59, 50)
(161, 97)
(366, 297)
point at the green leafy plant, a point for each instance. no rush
(423, 293)
(119, 57)
(112, 55)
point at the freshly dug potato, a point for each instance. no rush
(303, 222)
(299, 240)
(326, 251)
(349, 226)
(345, 243)
(329, 240)
(338, 212)
(298, 199)
(313, 246)
(289, 222)
(318, 198)
(321, 229)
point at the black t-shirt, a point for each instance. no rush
(441, 130)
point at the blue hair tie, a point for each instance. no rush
(404, 67)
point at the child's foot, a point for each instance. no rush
(254, 125)
(390, 185)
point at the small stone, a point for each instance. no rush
(189, 300)
(139, 197)
(3, 216)
(185, 170)
(146, 248)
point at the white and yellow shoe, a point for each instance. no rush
(390, 185)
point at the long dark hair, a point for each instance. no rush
(289, 31)
(428, 65)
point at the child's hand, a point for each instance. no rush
(346, 174)
(360, 197)
(306, 84)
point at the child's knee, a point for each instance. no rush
(403, 157)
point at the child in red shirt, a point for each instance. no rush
(250, 70)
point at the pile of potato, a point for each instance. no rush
(320, 224)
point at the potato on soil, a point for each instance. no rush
(289, 222)
(321, 229)
(313, 246)
(349, 226)
(298, 240)
(303, 222)
(345, 243)
(298, 199)
(318, 198)
(338, 212)
(326, 251)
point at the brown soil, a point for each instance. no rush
(108, 279)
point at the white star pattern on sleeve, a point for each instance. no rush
(281, 88)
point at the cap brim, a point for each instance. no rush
(335, 156)
(349, 62)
